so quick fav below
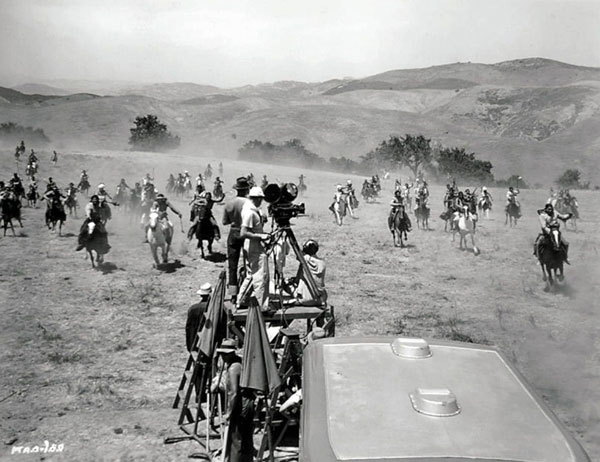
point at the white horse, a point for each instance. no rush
(160, 234)
(464, 224)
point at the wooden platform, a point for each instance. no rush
(287, 314)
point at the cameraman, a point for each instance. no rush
(254, 252)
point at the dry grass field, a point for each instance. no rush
(92, 358)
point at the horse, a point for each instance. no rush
(71, 203)
(513, 213)
(351, 202)
(202, 229)
(398, 225)
(31, 169)
(484, 205)
(55, 213)
(422, 213)
(368, 191)
(10, 209)
(84, 186)
(464, 224)
(552, 255)
(96, 241)
(32, 196)
(122, 196)
(159, 234)
(105, 212)
(301, 188)
(218, 193)
(339, 210)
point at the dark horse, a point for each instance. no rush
(94, 238)
(55, 214)
(202, 229)
(10, 207)
(398, 224)
(551, 253)
(513, 213)
(32, 196)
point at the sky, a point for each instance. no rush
(231, 43)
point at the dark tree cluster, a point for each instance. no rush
(292, 152)
(572, 179)
(459, 164)
(412, 152)
(149, 134)
(14, 133)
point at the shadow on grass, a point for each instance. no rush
(170, 267)
(216, 257)
(68, 235)
(108, 267)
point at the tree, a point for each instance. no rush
(513, 180)
(151, 135)
(457, 163)
(570, 179)
(413, 152)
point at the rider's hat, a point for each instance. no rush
(241, 183)
(510, 188)
(339, 187)
(95, 196)
(101, 186)
(160, 196)
(256, 191)
(549, 205)
(205, 289)
(71, 184)
(349, 182)
(484, 189)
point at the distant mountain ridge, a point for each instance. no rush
(516, 114)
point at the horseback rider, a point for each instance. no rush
(93, 221)
(205, 199)
(511, 198)
(398, 205)
(265, 182)
(161, 205)
(549, 217)
(54, 200)
(486, 196)
(123, 185)
(17, 185)
(468, 201)
(200, 180)
(71, 190)
(51, 184)
(350, 197)
(32, 158)
(147, 179)
(208, 171)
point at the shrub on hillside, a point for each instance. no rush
(14, 133)
(149, 134)
(292, 152)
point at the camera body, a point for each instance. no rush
(281, 206)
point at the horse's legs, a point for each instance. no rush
(154, 252)
(561, 275)
(91, 258)
(210, 242)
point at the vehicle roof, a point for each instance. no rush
(357, 406)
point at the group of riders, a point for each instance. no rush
(183, 184)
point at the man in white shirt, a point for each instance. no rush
(257, 275)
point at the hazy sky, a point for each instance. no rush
(236, 42)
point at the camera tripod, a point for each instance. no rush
(281, 240)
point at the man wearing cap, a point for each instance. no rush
(195, 317)
(240, 406)
(232, 215)
(254, 252)
(317, 268)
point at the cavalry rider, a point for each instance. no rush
(469, 201)
(93, 221)
(147, 179)
(350, 196)
(105, 199)
(397, 184)
(218, 186)
(203, 198)
(398, 205)
(71, 190)
(486, 196)
(17, 185)
(161, 205)
(53, 200)
(32, 157)
(265, 182)
(123, 185)
(422, 193)
(208, 171)
(51, 184)
(511, 198)
(200, 180)
(549, 217)
(171, 182)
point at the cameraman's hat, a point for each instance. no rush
(256, 191)
(205, 289)
(241, 183)
(228, 345)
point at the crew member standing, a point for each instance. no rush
(195, 317)
(232, 215)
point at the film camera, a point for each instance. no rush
(280, 199)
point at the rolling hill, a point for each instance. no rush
(518, 114)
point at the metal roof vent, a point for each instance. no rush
(438, 402)
(413, 348)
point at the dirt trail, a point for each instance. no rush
(94, 357)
